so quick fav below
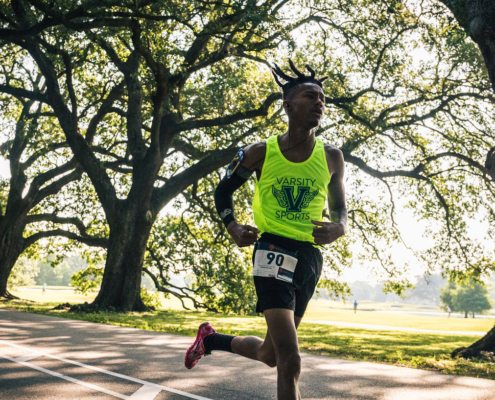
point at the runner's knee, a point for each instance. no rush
(289, 363)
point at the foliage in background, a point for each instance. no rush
(151, 299)
(88, 280)
(468, 297)
(54, 276)
(55, 273)
(196, 246)
(23, 273)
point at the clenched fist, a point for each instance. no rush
(327, 232)
(243, 235)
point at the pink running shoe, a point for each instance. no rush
(197, 350)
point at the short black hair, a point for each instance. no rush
(293, 82)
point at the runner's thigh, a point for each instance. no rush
(268, 343)
(282, 328)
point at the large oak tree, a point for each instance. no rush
(40, 166)
(477, 18)
(133, 61)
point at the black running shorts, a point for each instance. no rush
(274, 293)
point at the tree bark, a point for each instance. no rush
(121, 284)
(477, 18)
(11, 247)
(485, 345)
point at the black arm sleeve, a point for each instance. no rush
(224, 192)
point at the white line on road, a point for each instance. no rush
(68, 378)
(145, 393)
(28, 357)
(104, 371)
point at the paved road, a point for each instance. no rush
(53, 358)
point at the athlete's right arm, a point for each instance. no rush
(252, 161)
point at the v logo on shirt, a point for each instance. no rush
(286, 199)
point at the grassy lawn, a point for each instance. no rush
(368, 305)
(321, 310)
(417, 350)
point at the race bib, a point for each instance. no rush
(271, 261)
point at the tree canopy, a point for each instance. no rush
(152, 97)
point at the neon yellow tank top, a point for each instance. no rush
(289, 195)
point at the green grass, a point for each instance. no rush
(426, 351)
(368, 305)
(323, 310)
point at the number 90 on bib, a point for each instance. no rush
(271, 261)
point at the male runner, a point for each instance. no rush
(295, 173)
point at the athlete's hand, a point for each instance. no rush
(327, 232)
(243, 235)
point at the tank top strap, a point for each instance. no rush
(320, 150)
(271, 147)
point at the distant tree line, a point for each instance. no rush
(32, 272)
(430, 290)
(426, 291)
(471, 297)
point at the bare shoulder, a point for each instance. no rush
(335, 159)
(254, 155)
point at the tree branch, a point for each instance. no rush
(178, 183)
(23, 93)
(190, 124)
(88, 241)
(361, 164)
(58, 220)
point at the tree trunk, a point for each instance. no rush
(485, 345)
(11, 246)
(465, 314)
(477, 18)
(121, 284)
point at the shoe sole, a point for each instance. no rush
(198, 338)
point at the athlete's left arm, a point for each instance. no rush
(328, 232)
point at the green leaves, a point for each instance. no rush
(214, 273)
(87, 280)
(469, 296)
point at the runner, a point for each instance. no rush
(355, 306)
(295, 173)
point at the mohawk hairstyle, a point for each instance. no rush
(293, 82)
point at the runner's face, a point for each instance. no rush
(307, 105)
